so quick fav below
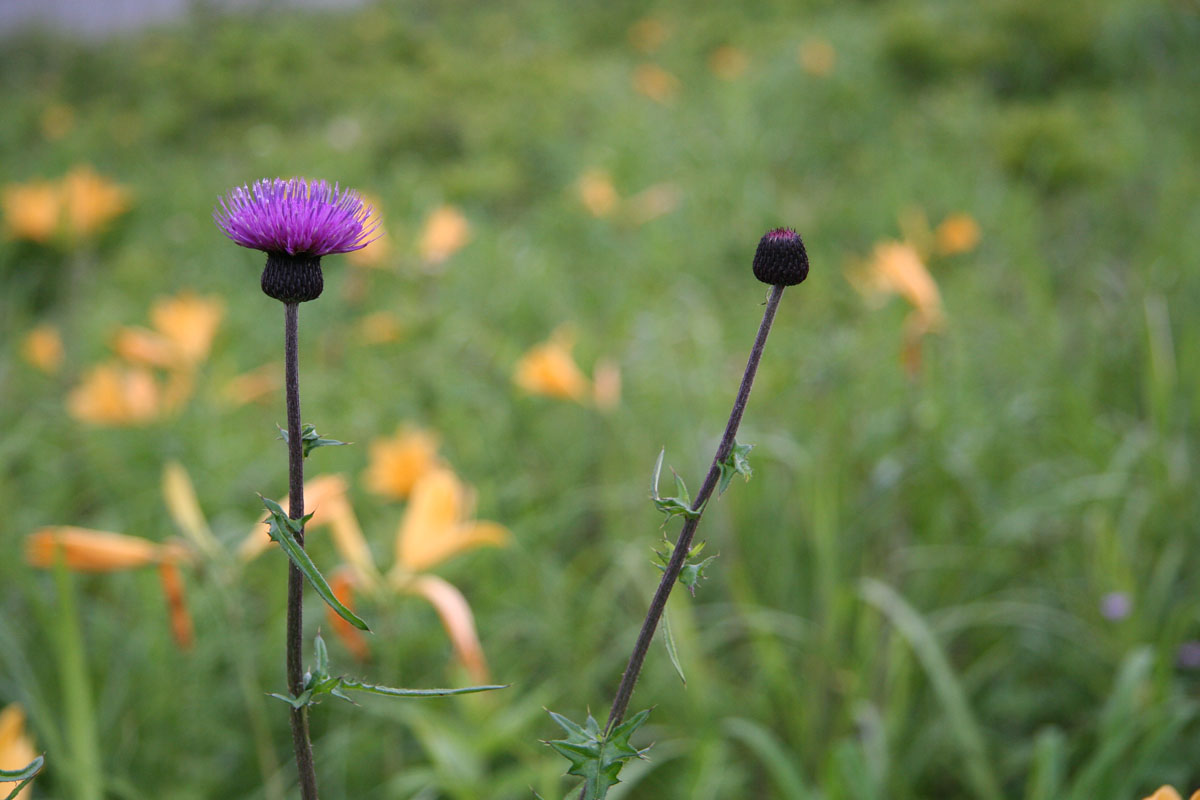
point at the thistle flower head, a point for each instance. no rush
(296, 217)
(781, 259)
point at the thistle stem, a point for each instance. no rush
(679, 556)
(295, 602)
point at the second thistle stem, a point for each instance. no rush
(295, 601)
(684, 544)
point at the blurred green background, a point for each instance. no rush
(965, 565)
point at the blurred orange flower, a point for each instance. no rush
(380, 327)
(111, 394)
(655, 82)
(816, 56)
(446, 232)
(31, 210)
(259, 384)
(42, 347)
(728, 62)
(597, 193)
(1169, 793)
(549, 369)
(91, 202)
(606, 384)
(896, 268)
(648, 34)
(958, 233)
(398, 462)
(86, 550)
(436, 526)
(16, 746)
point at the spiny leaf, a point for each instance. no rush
(735, 463)
(310, 439)
(283, 530)
(678, 506)
(594, 756)
(692, 571)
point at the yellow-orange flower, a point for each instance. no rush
(16, 746)
(111, 394)
(958, 233)
(446, 232)
(91, 202)
(597, 193)
(816, 56)
(438, 525)
(398, 462)
(43, 348)
(189, 322)
(728, 62)
(655, 82)
(1169, 793)
(896, 268)
(31, 210)
(606, 384)
(549, 369)
(87, 550)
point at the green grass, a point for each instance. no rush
(907, 599)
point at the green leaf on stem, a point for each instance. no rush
(735, 463)
(22, 777)
(595, 756)
(283, 529)
(310, 439)
(681, 504)
(319, 682)
(672, 651)
(693, 568)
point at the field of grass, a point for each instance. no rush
(966, 563)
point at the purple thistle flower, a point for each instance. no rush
(296, 217)
(295, 222)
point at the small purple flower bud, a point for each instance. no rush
(295, 222)
(781, 259)
(1115, 606)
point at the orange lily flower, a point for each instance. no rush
(16, 747)
(656, 83)
(728, 62)
(446, 232)
(91, 202)
(86, 550)
(436, 527)
(597, 193)
(957, 233)
(398, 462)
(548, 369)
(111, 394)
(1169, 793)
(31, 210)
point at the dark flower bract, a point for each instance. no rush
(296, 217)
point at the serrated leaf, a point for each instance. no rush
(692, 573)
(672, 651)
(735, 463)
(680, 506)
(283, 530)
(305, 698)
(310, 439)
(594, 756)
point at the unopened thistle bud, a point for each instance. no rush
(781, 259)
(295, 222)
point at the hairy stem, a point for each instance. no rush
(659, 602)
(295, 619)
